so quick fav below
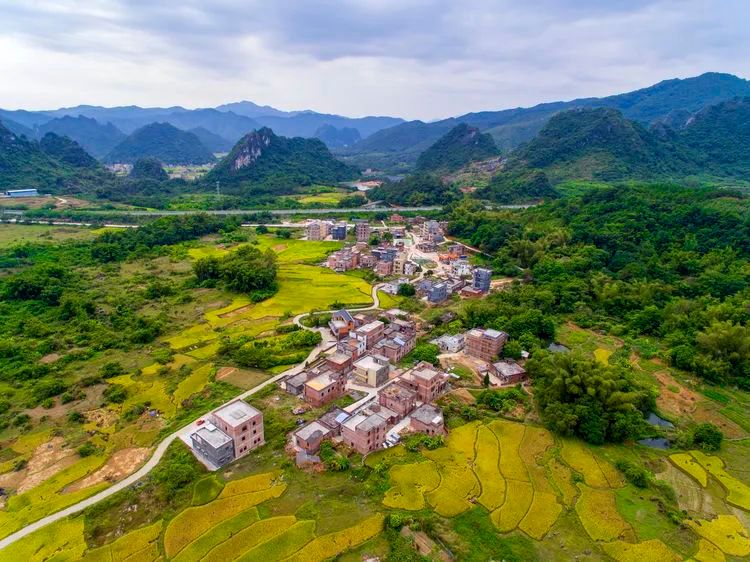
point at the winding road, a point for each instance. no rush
(161, 448)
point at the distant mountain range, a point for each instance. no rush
(457, 148)
(99, 129)
(671, 101)
(164, 142)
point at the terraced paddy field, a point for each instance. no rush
(175, 379)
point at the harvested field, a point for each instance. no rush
(121, 464)
(47, 460)
(678, 403)
(689, 493)
(738, 493)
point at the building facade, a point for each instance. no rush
(485, 344)
(364, 433)
(482, 279)
(242, 423)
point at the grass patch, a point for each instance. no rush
(479, 541)
(206, 490)
(193, 383)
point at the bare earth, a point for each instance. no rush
(119, 465)
(47, 460)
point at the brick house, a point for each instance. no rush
(364, 433)
(339, 363)
(371, 333)
(426, 381)
(509, 372)
(242, 423)
(399, 399)
(485, 344)
(427, 419)
(324, 388)
(310, 436)
(341, 323)
(372, 370)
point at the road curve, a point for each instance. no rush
(161, 448)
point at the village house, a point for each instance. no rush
(351, 347)
(213, 444)
(482, 279)
(383, 268)
(341, 324)
(364, 433)
(242, 423)
(371, 333)
(343, 260)
(449, 344)
(296, 383)
(437, 293)
(485, 344)
(427, 419)
(396, 348)
(338, 231)
(324, 388)
(367, 261)
(399, 399)
(339, 363)
(372, 370)
(310, 436)
(333, 419)
(362, 230)
(425, 380)
(461, 268)
(509, 372)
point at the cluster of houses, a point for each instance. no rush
(485, 345)
(366, 358)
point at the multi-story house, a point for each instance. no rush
(372, 370)
(362, 230)
(371, 333)
(364, 433)
(427, 419)
(324, 388)
(485, 344)
(338, 231)
(398, 398)
(482, 279)
(426, 381)
(242, 423)
(341, 323)
(437, 293)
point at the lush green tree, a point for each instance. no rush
(708, 437)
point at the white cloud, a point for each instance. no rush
(413, 58)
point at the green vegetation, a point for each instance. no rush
(458, 147)
(148, 168)
(245, 270)
(416, 189)
(164, 142)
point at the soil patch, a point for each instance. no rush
(101, 417)
(119, 465)
(236, 312)
(709, 412)
(225, 372)
(50, 358)
(690, 495)
(47, 460)
(93, 398)
(679, 403)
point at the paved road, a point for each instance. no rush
(161, 448)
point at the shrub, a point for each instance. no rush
(636, 475)
(115, 393)
(87, 449)
(708, 437)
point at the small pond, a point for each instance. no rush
(655, 420)
(655, 443)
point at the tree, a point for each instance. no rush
(708, 437)
(486, 380)
(261, 229)
(406, 290)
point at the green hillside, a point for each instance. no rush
(67, 151)
(457, 148)
(164, 142)
(95, 138)
(262, 162)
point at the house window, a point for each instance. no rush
(244, 428)
(243, 438)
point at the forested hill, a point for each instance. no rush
(656, 261)
(97, 139)
(668, 100)
(457, 148)
(263, 162)
(164, 142)
(601, 144)
(57, 165)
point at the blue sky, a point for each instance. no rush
(412, 58)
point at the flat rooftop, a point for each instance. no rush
(320, 382)
(236, 413)
(312, 429)
(368, 363)
(213, 435)
(428, 414)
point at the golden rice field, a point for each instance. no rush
(687, 463)
(647, 551)
(597, 511)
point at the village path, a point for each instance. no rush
(162, 447)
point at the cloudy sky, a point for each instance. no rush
(412, 58)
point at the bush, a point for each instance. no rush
(708, 437)
(636, 475)
(87, 449)
(76, 417)
(406, 290)
(115, 393)
(111, 369)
